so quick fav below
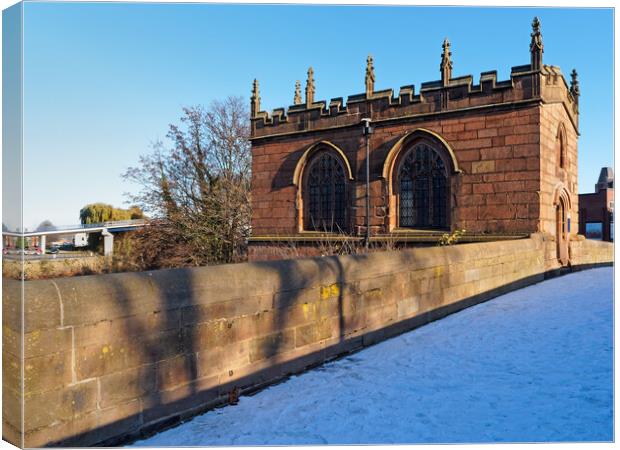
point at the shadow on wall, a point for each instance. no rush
(293, 323)
(265, 376)
(167, 357)
(165, 345)
(128, 337)
(284, 175)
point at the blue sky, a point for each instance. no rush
(103, 80)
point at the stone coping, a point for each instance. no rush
(396, 236)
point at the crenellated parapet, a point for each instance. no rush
(555, 89)
(530, 83)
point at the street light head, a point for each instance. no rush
(367, 128)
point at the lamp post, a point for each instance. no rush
(367, 132)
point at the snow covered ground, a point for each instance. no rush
(533, 365)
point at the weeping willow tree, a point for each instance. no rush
(102, 212)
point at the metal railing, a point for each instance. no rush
(71, 229)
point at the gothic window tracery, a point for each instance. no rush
(325, 189)
(422, 189)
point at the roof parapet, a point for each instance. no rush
(441, 95)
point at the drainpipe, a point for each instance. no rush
(367, 132)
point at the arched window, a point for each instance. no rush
(422, 189)
(325, 194)
(560, 147)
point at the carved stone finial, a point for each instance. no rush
(536, 46)
(574, 86)
(536, 25)
(446, 63)
(310, 87)
(297, 98)
(254, 99)
(370, 77)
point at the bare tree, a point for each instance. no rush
(197, 186)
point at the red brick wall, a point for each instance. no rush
(596, 207)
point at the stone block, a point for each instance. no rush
(408, 307)
(487, 132)
(122, 386)
(97, 360)
(77, 431)
(312, 333)
(381, 316)
(12, 435)
(47, 372)
(213, 334)
(483, 188)
(46, 341)
(269, 346)
(373, 298)
(12, 304)
(495, 153)
(182, 399)
(117, 420)
(289, 298)
(329, 308)
(127, 328)
(227, 358)
(64, 404)
(483, 166)
(352, 323)
(12, 403)
(430, 301)
(176, 371)
(11, 341)
(41, 306)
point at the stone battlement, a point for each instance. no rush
(534, 82)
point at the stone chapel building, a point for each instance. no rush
(497, 159)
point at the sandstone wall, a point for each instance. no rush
(497, 191)
(111, 356)
(552, 176)
(585, 253)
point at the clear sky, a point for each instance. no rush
(104, 80)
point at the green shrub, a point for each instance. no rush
(451, 238)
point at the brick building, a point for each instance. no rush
(497, 159)
(596, 210)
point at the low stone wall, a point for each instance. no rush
(108, 357)
(585, 253)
